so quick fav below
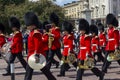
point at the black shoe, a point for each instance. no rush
(6, 74)
(60, 75)
(57, 64)
(101, 76)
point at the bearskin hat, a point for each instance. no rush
(31, 18)
(54, 18)
(116, 23)
(84, 25)
(100, 26)
(94, 29)
(67, 26)
(14, 22)
(2, 27)
(111, 20)
(46, 25)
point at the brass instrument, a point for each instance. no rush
(6, 53)
(34, 65)
(114, 56)
(71, 58)
(88, 64)
(50, 40)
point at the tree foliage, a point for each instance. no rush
(18, 8)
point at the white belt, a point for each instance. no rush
(82, 47)
(94, 44)
(111, 39)
(101, 40)
(66, 46)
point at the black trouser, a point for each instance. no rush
(103, 50)
(80, 72)
(12, 59)
(45, 71)
(65, 67)
(58, 53)
(51, 56)
(107, 63)
(53, 61)
(100, 56)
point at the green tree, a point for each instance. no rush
(42, 8)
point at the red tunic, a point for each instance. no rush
(2, 40)
(102, 39)
(119, 37)
(56, 32)
(35, 43)
(45, 41)
(95, 44)
(113, 39)
(85, 47)
(17, 43)
(68, 44)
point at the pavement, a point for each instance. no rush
(113, 73)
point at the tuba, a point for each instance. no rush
(34, 65)
(114, 56)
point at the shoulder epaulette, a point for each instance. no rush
(87, 36)
(69, 36)
(57, 28)
(103, 33)
(96, 37)
(16, 32)
(36, 31)
(2, 35)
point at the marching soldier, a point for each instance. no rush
(95, 43)
(85, 50)
(68, 47)
(16, 44)
(46, 36)
(35, 45)
(2, 36)
(55, 32)
(113, 39)
(102, 37)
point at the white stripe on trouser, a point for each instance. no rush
(12, 67)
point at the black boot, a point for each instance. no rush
(57, 64)
(62, 70)
(6, 74)
(101, 77)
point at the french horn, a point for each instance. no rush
(37, 66)
(114, 56)
(88, 64)
(71, 58)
